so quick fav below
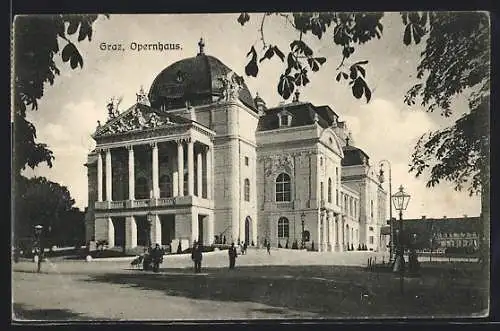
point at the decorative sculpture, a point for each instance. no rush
(142, 98)
(231, 85)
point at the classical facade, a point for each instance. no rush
(199, 159)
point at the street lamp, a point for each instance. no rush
(302, 220)
(400, 200)
(391, 228)
(150, 221)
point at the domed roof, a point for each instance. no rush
(354, 156)
(194, 79)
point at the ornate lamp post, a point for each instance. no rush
(391, 228)
(302, 220)
(400, 200)
(149, 223)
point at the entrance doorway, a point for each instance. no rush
(167, 229)
(248, 224)
(200, 229)
(119, 226)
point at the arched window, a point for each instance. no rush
(329, 190)
(165, 187)
(321, 191)
(283, 227)
(141, 188)
(247, 189)
(283, 188)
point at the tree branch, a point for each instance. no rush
(287, 18)
(261, 30)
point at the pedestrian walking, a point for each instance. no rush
(232, 256)
(197, 256)
(244, 248)
(268, 248)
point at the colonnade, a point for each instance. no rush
(178, 176)
(331, 232)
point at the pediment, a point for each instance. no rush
(136, 118)
(330, 139)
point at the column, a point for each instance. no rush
(180, 167)
(343, 235)
(156, 230)
(154, 162)
(210, 229)
(209, 156)
(318, 244)
(337, 245)
(130, 232)
(109, 176)
(330, 231)
(111, 232)
(99, 176)
(324, 240)
(190, 160)
(199, 164)
(131, 173)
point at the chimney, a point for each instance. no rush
(424, 217)
(465, 215)
(444, 216)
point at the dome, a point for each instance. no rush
(354, 156)
(194, 79)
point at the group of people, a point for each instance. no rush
(154, 257)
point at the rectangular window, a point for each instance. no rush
(321, 191)
(337, 197)
(284, 120)
(246, 160)
(371, 240)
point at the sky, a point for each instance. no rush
(385, 128)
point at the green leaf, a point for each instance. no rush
(362, 62)
(286, 86)
(268, 55)
(292, 63)
(361, 70)
(407, 35)
(76, 59)
(252, 69)
(73, 26)
(68, 52)
(313, 64)
(279, 53)
(368, 93)
(243, 18)
(321, 60)
(358, 88)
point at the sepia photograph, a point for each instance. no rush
(250, 166)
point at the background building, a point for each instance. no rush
(457, 232)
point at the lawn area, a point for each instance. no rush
(329, 291)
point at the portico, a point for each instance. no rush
(163, 172)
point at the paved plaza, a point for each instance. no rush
(286, 284)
